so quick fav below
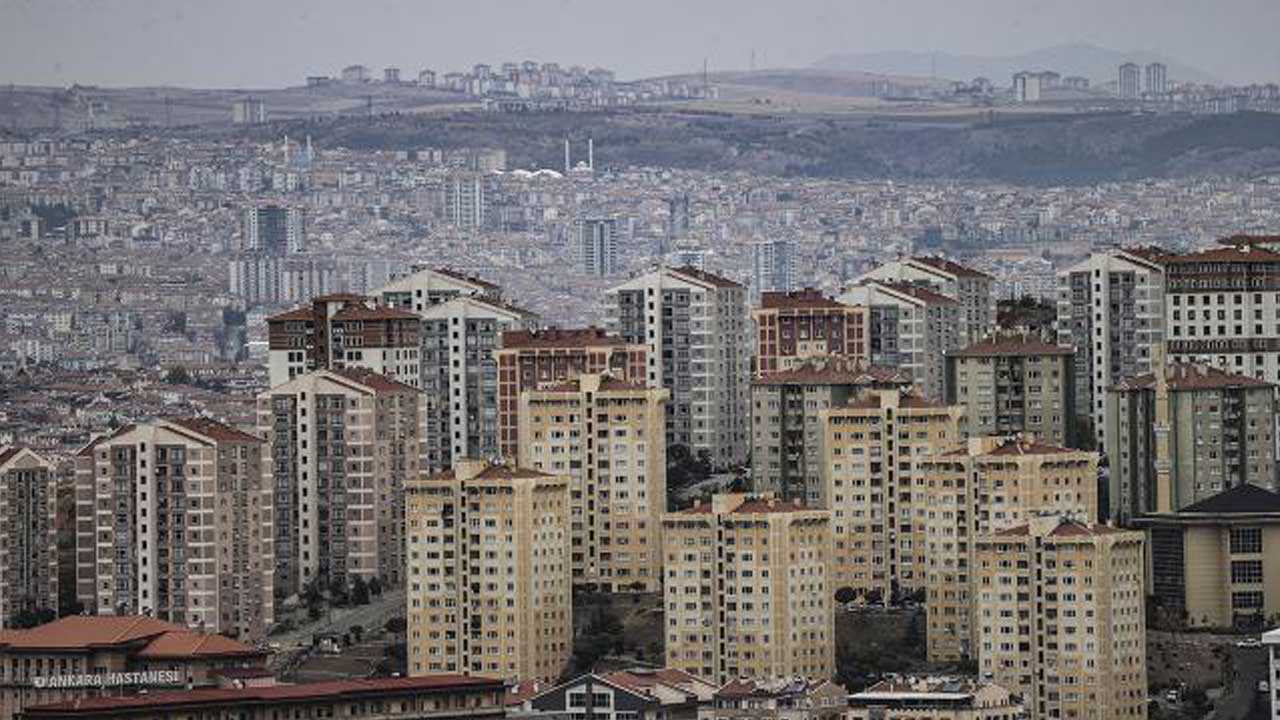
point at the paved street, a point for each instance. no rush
(340, 620)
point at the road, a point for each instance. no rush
(339, 620)
(1243, 701)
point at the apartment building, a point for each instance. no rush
(911, 327)
(28, 536)
(340, 331)
(1216, 562)
(747, 590)
(934, 698)
(785, 423)
(991, 484)
(694, 327)
(869, 451)
(607, 436)
(793, 327)
(1111, 310)
(174, 519)
(489, 573)
(425, 287)
(1012, 384)
(1061, 618)
(460, 375)
(528, 359)
(1219, 429)
(971, 289)
(340, 445)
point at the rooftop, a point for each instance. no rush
(806, 298)
(953, 268)
(1241, 499)
(1192, 376)
(1012, 345)
(835, 370)
(371, 379)
(705, 277)
(84, 632)
(917, 292)
(1244, 253)
(214, 430)
(559, 338)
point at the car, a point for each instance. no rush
(1171, 695)
(1264, 686)
(1251, 642)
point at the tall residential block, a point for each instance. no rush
(792, 327)
(1111, 310)
(528, 359)
(990, 484)
(28, 535)
(1215, 563)
(1156, 76)
(426, 287)
(971, 289)
(174, 519)
(785, 421)
(273, 230)
(772, 268)
(1012, 384)
(1061, 618)
(596, 246)
(694, 327)
(340, 446)
(748, 592)
(910, 326)
(608, 437)
(466, 201)
(489, 574)
(1129, 83)
(341, 331)
(460, 375)
(870, 452)
(1219, 430)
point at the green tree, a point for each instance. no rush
(360, 591)
(846, 595)
(177, 375)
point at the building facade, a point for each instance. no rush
(747, 590)
(608, 437)
(793, 327)
(1220, 431)
(785, 422)
(971, 289)
(596, 244)
(340, 446)
(934, 699)
(273, 230)
(341, 331)
(1012, 384)
(173, 518)
(912, 327)
(28, 536)
(694, 327)
(490, 586)
(1061, 618)
(870, 451)
(771, 267)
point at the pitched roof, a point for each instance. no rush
(76, 632)
(1192, 376)
(1027, 447)
(705, 277)
(1243, 498)
(835, 370)
(375, 381)
(1011, 344)
(806, 298)
(214, 429)
(381, 312)
(509, 472)
(560, 338)
(917, 292)
(300, 313)
(195, 644)
(87, 450)
(1235, 254)
(953, 268)
(8, 453)
(463, 277)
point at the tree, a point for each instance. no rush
(375, 587)
(360, 591)
(396, 625)
(177, 375)
(338, 593)
(357, 631)
(846, 595)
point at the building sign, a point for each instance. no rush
(107, 680)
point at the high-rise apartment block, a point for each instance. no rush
(870, 452)
(1111, 310)
(341, 444)
(427, 287)
(465, 201)
(1011, 384)
(973, 290)
(28, 535)
(1220, 430)
(1157, 79)
(748, 591)
(1130, 81)
(273, 230)
(596, 243)
(792, 327)
(608, 437)
(786, 422)
(1061, 618)
(772, 268)
(529, 359)
(460, 375)
(489, 573)
(343, 331)
(910, 326)
(990, 484)
(174, 519)
(694, 327)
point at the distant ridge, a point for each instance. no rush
(1096, 63)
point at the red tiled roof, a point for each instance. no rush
(767, 505)
(1193, 376)
(835, 370)
(806, 298)
(509, 472)
(6, 454)
(920, 293)
(463, 277)
(76, 632)
(1241, 254)
(334, 690)
(953, 268)
(215, 430)
(1236, 240)
(1027, 447)
(195, 644)
(302, 313)
(371, 379)
(560, 338)
(361, 312)
(703, 276)
(338, 297)
(87, 450)
(1012, 345)
(908, 400)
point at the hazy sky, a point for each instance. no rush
(256, 43)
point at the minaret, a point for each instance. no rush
(311, 153)
(1164, 464)
(286, 151)
(591, 154)
(567, 167)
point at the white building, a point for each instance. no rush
(912, 327)
(973, 290)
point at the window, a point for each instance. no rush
(1246, 600)
(1246, 571)
(1246, 540)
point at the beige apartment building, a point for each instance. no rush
(870, 449)
(747, 591)
(490, 589)
(1215, 563)
(991, 484)
(934, 698)
(340, 445)
(608, 436)
(174, 520)
(1061, 618)
(1014, 384)
(28, 535)
(785, 423)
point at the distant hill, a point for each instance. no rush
(1096, 63)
